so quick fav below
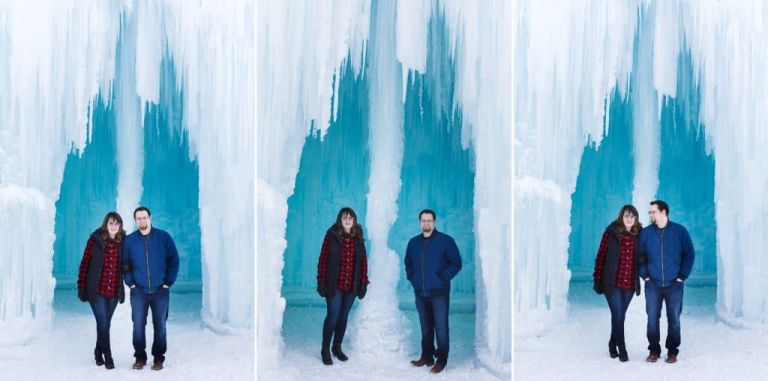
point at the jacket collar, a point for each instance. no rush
(434, 233)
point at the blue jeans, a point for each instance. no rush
(672, 296)
(618, 302)
(433, 318)
(103, 308)
(338, 306)
(158, 303)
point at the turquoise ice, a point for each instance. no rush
(170, 184)
(686, 177)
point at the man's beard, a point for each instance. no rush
(426, 230)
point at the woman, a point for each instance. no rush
(342, 274)
(100, 281)
(616, 273)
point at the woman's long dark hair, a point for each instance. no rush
(618, 224)
(356, 231)
(104, 233)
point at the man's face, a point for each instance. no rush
(143, 221)
(427, 223)
(654, 213)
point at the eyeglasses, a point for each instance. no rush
(427, 221)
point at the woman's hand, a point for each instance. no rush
(322, 290)
(362, 291)
(82, 295)
(597, 287)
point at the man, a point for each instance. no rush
(668, 259)
(151, 262)
(431, 261)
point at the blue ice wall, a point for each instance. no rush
(333, 173)
(170, 183)
(687, 172)
(686, 178)
(603, 186)
(437, 173)
(88, 192)
(170, 178)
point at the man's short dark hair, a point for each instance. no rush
(139, 209)
(661, 205)
(428, 211)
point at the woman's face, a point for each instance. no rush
(629, 219)
(347, 221)
(113, 227)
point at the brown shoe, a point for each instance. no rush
(671, 359)
(157, 365)
(437, 368)
(422, 362)
(652, 357)
(139, 364)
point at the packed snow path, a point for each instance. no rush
(577, 349)
(66, 352)
(301, 361)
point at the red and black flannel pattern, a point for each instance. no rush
(625, 273)
(600, 260)
(347, 265)
(347, 270)
(108, 281)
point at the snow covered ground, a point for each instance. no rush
(577, 349)
(302, 328)
(66, 352)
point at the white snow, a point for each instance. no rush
(576, 348)
(194, 352)
(302, 330)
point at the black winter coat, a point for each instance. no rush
(334, 263)
(608, 275)
(93, 276)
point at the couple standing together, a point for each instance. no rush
(148, 262)
(660, 254)
(431, 260)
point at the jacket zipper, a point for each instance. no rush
(662, 257)
(146, 255)
(423, 286)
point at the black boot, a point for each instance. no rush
(623, 356)
(98, 357)
(108, 362)
(612, 349)
(326, 355)
(336, 350)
